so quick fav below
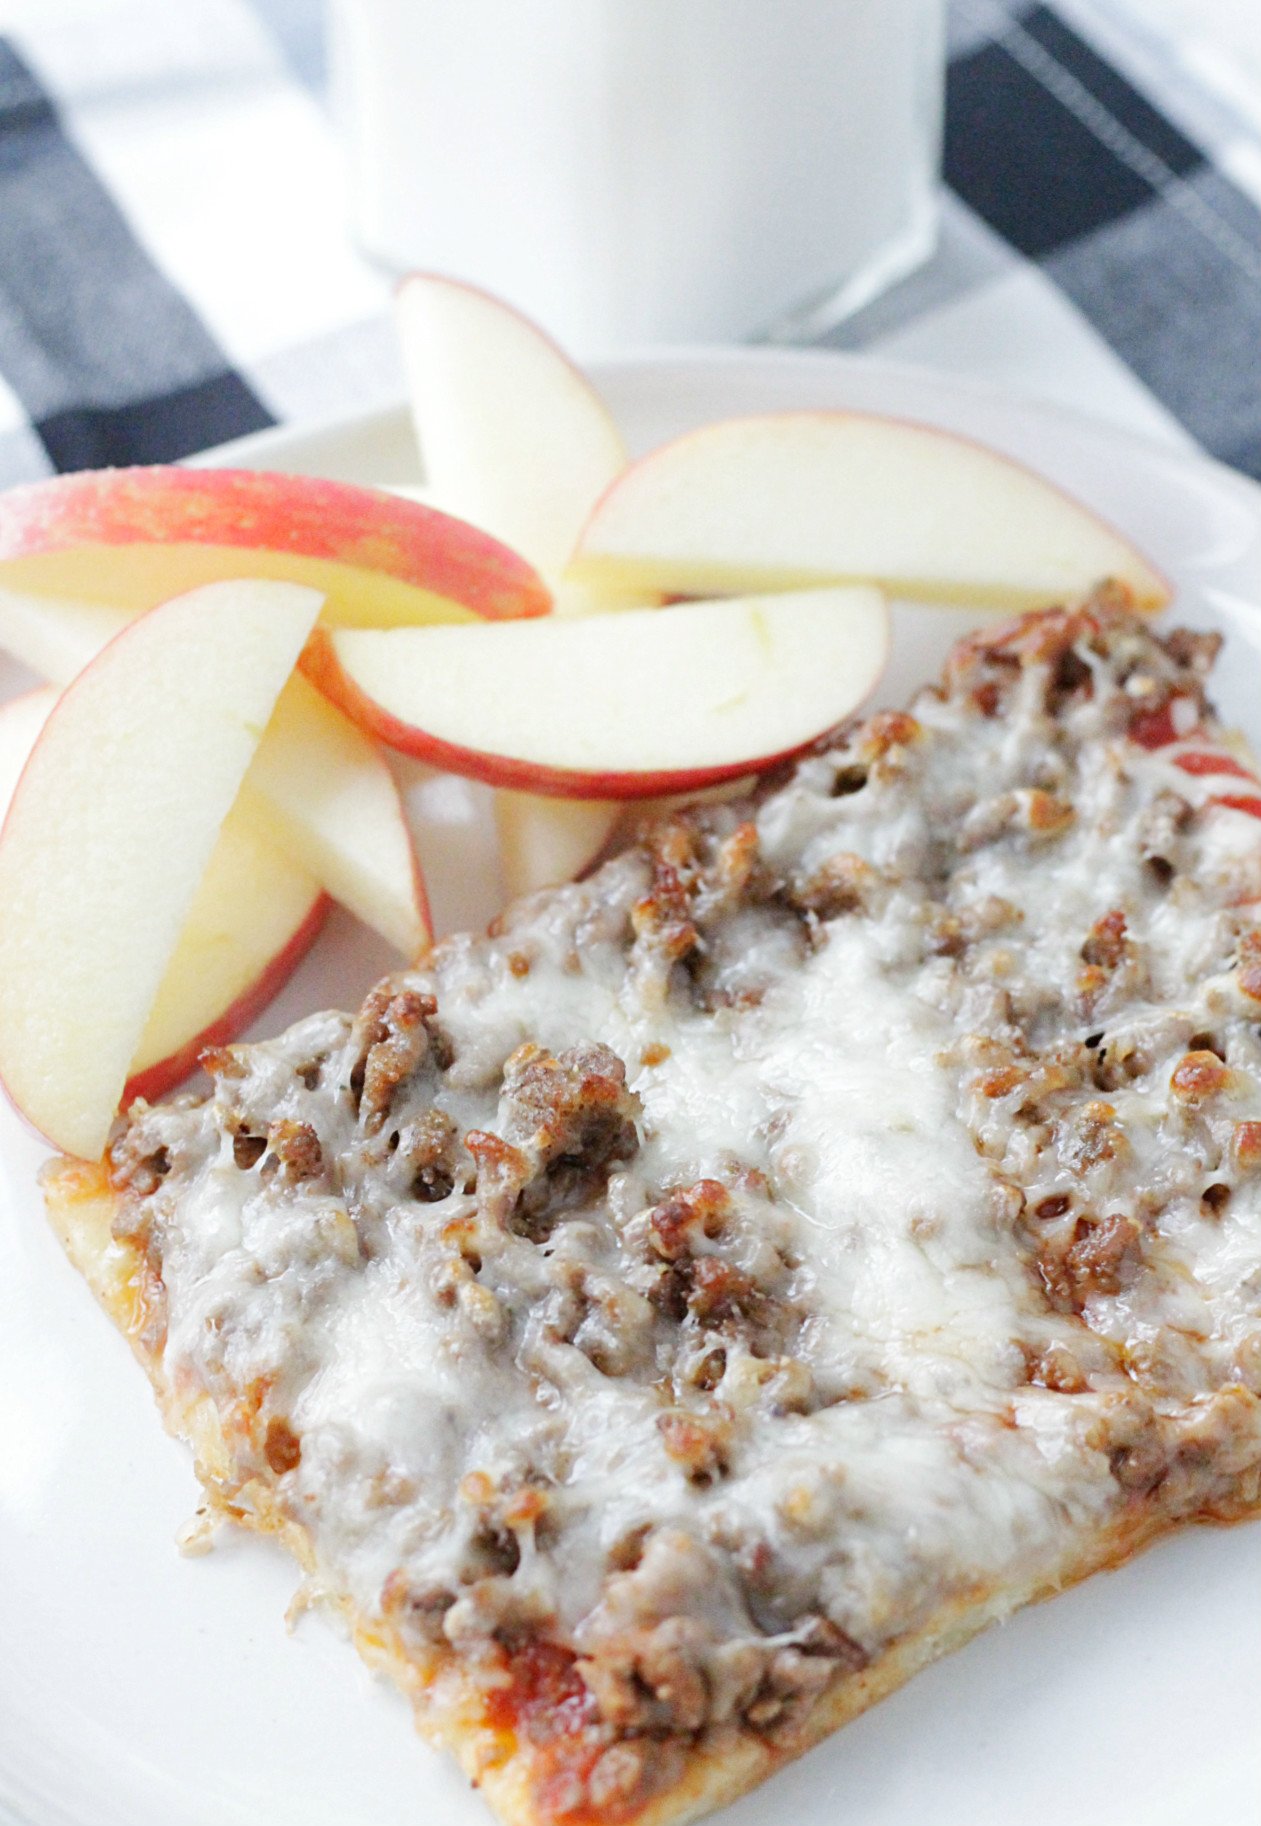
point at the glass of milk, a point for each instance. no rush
(635, 171)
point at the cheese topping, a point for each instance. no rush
(846, 1202)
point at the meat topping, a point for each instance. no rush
(841, 1204)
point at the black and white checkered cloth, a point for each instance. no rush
(174, 269)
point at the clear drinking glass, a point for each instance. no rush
(634, 171)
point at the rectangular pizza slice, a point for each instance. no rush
(666, 1323)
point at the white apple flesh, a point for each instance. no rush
(797, 499)
(109, 834)
(614, 706)
(322, 792)
(543, 842)
(512, 436)
(254, 918)
(326, 797)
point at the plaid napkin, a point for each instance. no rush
(174, 270)
(1101, 225)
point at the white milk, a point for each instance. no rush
(646, 170)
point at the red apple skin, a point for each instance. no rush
(320, 664)
(259, 510)
(160, 1078)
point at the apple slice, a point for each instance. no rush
(325, 795)
(512, 436)
(795, 499)
(321, 790)
(136, 537)
(543, 842)
(613, 706)
(254, 918)
(109, 834)
(516, 439)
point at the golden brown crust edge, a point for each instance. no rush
(447, 1703)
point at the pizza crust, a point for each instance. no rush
(449, 1707)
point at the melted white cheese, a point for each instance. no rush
(929, 1465)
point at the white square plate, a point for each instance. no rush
(138, 1688)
